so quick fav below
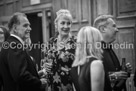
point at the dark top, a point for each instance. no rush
(111, 63)
(1, 82)
(82, 83)
(84, 76)
(17, 70)
(74, 77)
(135, 78)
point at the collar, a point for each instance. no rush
(18, 38)
(105, 45)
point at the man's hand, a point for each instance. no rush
(42, 72)
(128, 68)
(43, 81)
(48, 67)
(119, 75)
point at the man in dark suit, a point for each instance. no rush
(108, 29)
(17, 69)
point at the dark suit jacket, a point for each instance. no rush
(74, 77)
(111, 63)
(17, 69)
(135, 78)
(1, 83)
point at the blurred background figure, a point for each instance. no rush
(135, 78)
(89, 67)
(4, 34)
(59, 55)
(109, 31)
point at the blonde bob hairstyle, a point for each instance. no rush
(63, 13)
(88, 45)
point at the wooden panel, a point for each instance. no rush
(74, 9)
(18, 6)
(81, 13)
(25, 3)
(45, 1)
(36, 8)
(1, 2)
(1, 10)
(126, 44)
(64, 4)
(9, 1)
(9, 9)
(85, 10)
(125, 22)
(102, 6)
(75, 27)
(56, 6)
(126, 7)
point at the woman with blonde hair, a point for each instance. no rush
(88, 62)
(60, 54)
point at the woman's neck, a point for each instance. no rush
(61, 41)
(63, 38)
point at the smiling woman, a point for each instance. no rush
(61, 54)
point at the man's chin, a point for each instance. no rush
(27, 37)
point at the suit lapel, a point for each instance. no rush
(32, 63)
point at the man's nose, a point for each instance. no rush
(29, 28)
(117, 29)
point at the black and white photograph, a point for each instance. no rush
(67, 45)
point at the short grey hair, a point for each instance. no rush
(15, 19)
(101, 20)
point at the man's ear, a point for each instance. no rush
(15, 28)
(102, 29)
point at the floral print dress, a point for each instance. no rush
(62, 56)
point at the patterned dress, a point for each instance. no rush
(62, 56)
